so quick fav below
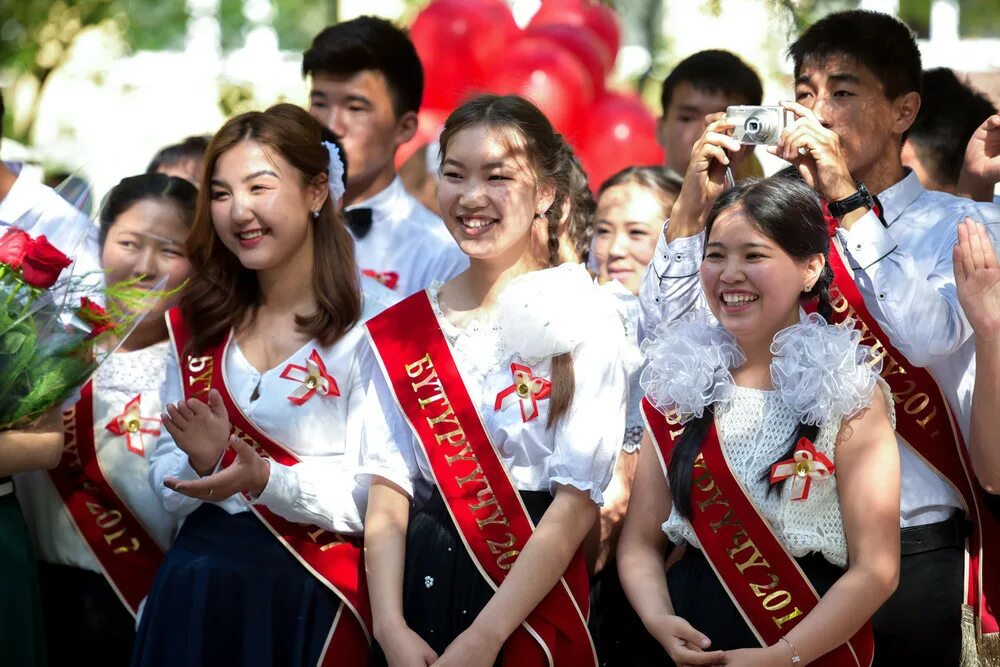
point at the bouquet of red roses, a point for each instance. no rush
(49, 346)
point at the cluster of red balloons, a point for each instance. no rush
(560, 62)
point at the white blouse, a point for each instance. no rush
(628, 310)
(529, 325)
(122, 377)
(324, 432)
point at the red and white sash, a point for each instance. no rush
(128, 556)
(334, 559)
(762, 579)
(925, 422)
(478, 491)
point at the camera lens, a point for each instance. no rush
(757, 128)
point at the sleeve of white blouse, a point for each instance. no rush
(589, 437)
(387, 445)
(670, 287)
(167, 459)
(322, 491)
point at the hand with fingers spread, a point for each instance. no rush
(981, 169)
(200, 429)
(684, 644)
(977, 278)
(248, 473)
(816, 152)
(705, 179)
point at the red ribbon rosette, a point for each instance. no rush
(388, 278)
(527, 389)
(131, 424)
(805, 466)
(313, 379)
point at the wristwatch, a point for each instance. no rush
(862, 197)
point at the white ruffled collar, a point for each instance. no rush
(819, 370)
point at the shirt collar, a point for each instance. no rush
(385, 202)
(897, 197)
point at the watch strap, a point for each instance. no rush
(862, 197)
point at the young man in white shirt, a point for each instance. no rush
(857, 91)
(366, 87)
(26, 203)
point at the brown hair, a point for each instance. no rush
(550, 158)
(660, 184)
(222, 293)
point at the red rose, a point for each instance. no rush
(94, 316)
(43, 263)
(13, 247)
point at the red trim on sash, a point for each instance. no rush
(480, 495)
(128, 556)
(763, 580)
(336, 560)
(925, 421)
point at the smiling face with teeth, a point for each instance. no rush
(752, 285)
(489, 195)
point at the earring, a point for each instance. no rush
(807, 287)
(316, 214)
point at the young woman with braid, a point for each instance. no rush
(771, 458)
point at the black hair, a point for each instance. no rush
(657, 180)
(949, 115)
(191, 148)
(2, 111)
(788, 212)
(370, 43)
(332, 138)
(133, 189)
(583, 206)
(714, 70)
(880, 42)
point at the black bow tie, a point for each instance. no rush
(359, 221)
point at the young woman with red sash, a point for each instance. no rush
(99, 529)
(261, 440)
(772, 456)
(500, 412)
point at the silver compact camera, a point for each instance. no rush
(759, 126)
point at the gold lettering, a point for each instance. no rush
(728, 520)
(429, 379)
(454, 438)
(109, 519)
(715, 499)
(483, 504)
(205, 378)
(759, 589)
(777, 600)
(497, 518)
(497, 547)
(910, 385)
(446, 416)
(416, 368)
(465, 455)
(911, 405)
(892, 368)
(505, 561)
(755, 559)
(877, 354)
(134, 547)
(475, 476)
(839, 302)
(795, 613)
(926, 420)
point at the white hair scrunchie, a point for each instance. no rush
(335, 171)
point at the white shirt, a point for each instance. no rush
(37, 209)
(582, 448)
(122, 377)
(324, 433)
(904, 273)
(408, 247)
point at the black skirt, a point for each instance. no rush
(228, 593)
(700, 599)
(443, 591)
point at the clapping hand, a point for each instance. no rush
(981, 169)
(201, 430)
(249, 472)
(977, 277)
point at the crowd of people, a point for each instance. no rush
(699, 417)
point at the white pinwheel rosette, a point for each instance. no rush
(687, 366)
(822, 371)
(335, 172)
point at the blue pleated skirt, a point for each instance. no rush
(228, 593)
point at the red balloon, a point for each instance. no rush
(560, 12)
(456, 40)
(599, 19)
(603, 21)
(619, 131)
(583, 44)
(548, 75)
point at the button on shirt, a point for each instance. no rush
(408, 247)
(904, 273)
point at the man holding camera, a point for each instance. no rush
(857, 91)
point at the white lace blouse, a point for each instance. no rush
(324, 432)
(538, 315)
(820, 376)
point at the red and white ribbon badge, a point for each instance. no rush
(527, 389)
(805, 465)
(312, 379)
(388, 278)
(132, 425)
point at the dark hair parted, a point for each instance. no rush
(370, 43)
(222, 293)
(949, 114)
(882, 43)
(655, 179)
(133, 189)
(191, 148)
(714, 70)
(788, 212)
(533, 141)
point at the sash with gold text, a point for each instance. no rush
(128, 556)
(481, 498)
(334, 559)
(762, 579)
(924, 420)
